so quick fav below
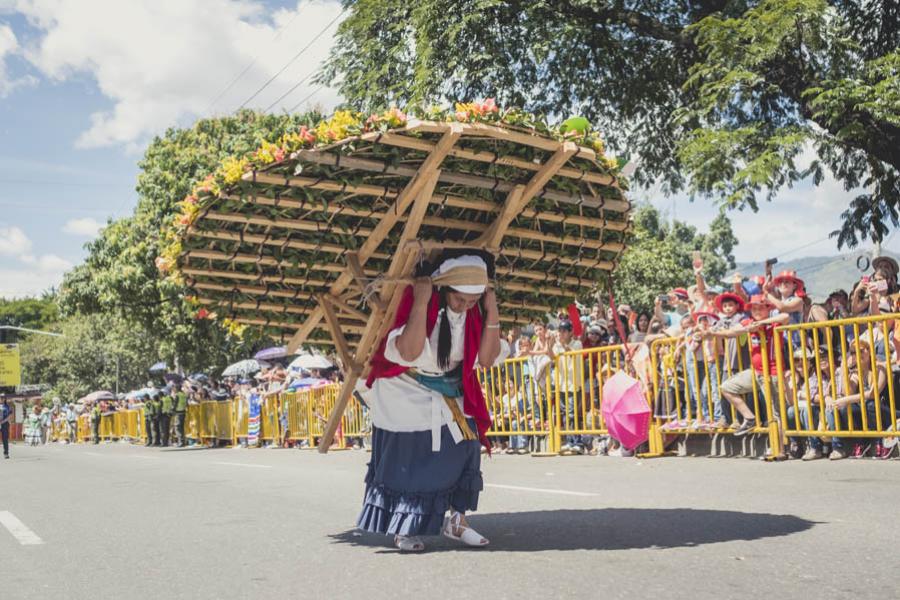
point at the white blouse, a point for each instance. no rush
(402, 404)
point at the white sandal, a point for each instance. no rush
(469, 536)
(407, 543)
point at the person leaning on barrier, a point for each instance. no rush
(166, 410)
(737, 386)
(96, 415)
(181, 402)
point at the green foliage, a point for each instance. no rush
(659, 256)
(33, 313)
(119, 276)
(721, 97)
(85, 358)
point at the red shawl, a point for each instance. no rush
(473, 398)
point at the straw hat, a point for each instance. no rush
(886, 263)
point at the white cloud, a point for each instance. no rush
(164, 62)
(23, 273)
(86, 226)
(13, 242)
(9, 46)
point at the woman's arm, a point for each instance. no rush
(490, 336)
(411, 342)
(791, 305)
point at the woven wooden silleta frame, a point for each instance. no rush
(320, 223)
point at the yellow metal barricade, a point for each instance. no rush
(321, 405)
(269, 424)
(134, 424)
(58, 430)
(578, 379)
(836, 381)
(107, 426)
(241, 418)
(224, 425)
(298, 410)
(193, 425)
(518, 398)
(355, 424)
(208, 420)
(84, 428)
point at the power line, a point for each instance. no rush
(249, 66)
(64, 183)
(291, 61)
(287, 93)
(308, 96)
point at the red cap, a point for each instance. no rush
(733, 298)
(681, 293)
(761, 300)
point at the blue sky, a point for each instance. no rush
(79, 103)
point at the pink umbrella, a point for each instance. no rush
(625, 410)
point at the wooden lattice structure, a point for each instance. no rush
(293, 246)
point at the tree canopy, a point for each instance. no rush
(119, 276)
(659, 256)
(718, 97)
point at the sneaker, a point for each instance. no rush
(577, 450)
(860, 450)
(837, 454)
(745, 427)
(565, 448)
(882, 452)
(812, 454)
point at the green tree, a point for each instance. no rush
(33, 313)
(719, 97)
(659, 256)
(95, 352)
(119, 275)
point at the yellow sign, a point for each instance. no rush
(10, 369)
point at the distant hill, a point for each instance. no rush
(821, 274)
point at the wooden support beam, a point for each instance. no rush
(337, 333)
(380, 232)
(252, 238)
(520, 196)
(345, 307)
(381, 320)
(251, 290)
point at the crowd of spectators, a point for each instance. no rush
(718, 348)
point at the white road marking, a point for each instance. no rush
(17, 528)
(237, 464)
(540, 490)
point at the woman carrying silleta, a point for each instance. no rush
(428, 412)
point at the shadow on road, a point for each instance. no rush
(610, 529)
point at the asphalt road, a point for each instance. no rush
(124, 522)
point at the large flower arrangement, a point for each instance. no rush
(227, 188)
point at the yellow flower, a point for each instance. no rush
(233, 169)
(343, 124)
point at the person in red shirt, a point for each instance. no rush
(740, 384)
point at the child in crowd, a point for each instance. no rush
(760, 327)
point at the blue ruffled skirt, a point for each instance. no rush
(409, 488)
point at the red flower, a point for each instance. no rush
(306, 135)
(279, 155)
(202, 313)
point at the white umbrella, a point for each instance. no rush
(311, 361)
(244, 368)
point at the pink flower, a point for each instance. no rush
(162, 264)
(279, 155)
(184, 220)
(306, 135)
(462, 115)
(190, 199)
(202, 313)
(489, 106)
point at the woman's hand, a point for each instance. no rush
(422, 290)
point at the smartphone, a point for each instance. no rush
(697, 259)
(881, 285)
(663, 298)
(771, 261)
